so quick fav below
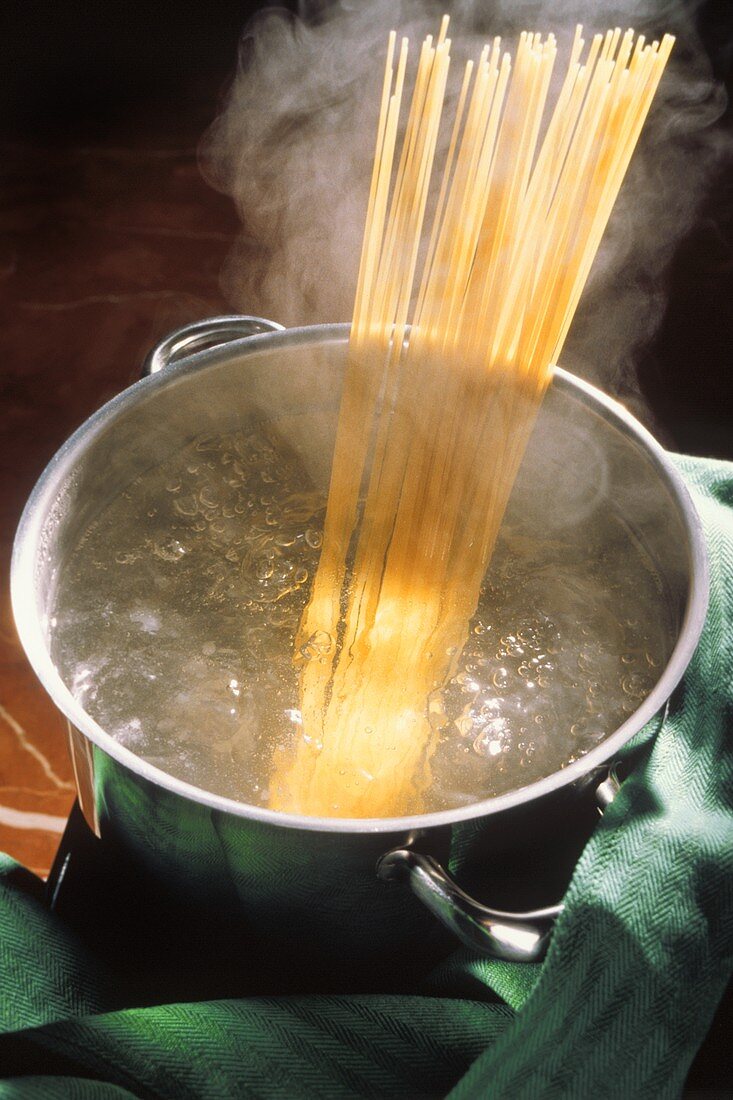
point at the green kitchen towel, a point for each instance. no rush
(638, 962)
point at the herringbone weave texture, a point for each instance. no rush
(637, 965)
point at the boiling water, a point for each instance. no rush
(175, 620)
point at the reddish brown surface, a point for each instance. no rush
(104, 250)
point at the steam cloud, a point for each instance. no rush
(294, 144)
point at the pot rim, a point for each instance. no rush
(31, 628)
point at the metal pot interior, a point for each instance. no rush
(587, 458)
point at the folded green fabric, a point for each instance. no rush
(637, 964)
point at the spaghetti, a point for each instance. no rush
(458, 319)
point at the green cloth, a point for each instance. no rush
(626, 994)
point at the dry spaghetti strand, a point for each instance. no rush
(432, 430)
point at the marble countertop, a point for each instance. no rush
(104, 249)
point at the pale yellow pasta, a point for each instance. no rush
(456, 326)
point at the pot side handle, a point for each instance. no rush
(516, 937)
(202, 335)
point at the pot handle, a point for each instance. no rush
(517, 937)
(202, 335)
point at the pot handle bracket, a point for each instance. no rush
(203, 335)
(516, 937)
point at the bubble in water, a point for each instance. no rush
(279, 616)
(500, 678)
(486, 745)
(264, 569)
(465, 724)
(170, 550)
(634, 685)
(492, 738)
(318, 645)
(128, 557)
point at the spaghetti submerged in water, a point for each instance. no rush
(457, 322)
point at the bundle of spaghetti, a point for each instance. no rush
(456, 326)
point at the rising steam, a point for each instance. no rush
(294, 144)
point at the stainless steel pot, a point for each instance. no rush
(328, 883)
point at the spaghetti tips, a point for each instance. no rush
(459, 315)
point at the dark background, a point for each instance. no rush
(125, 73)
(110, 239)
